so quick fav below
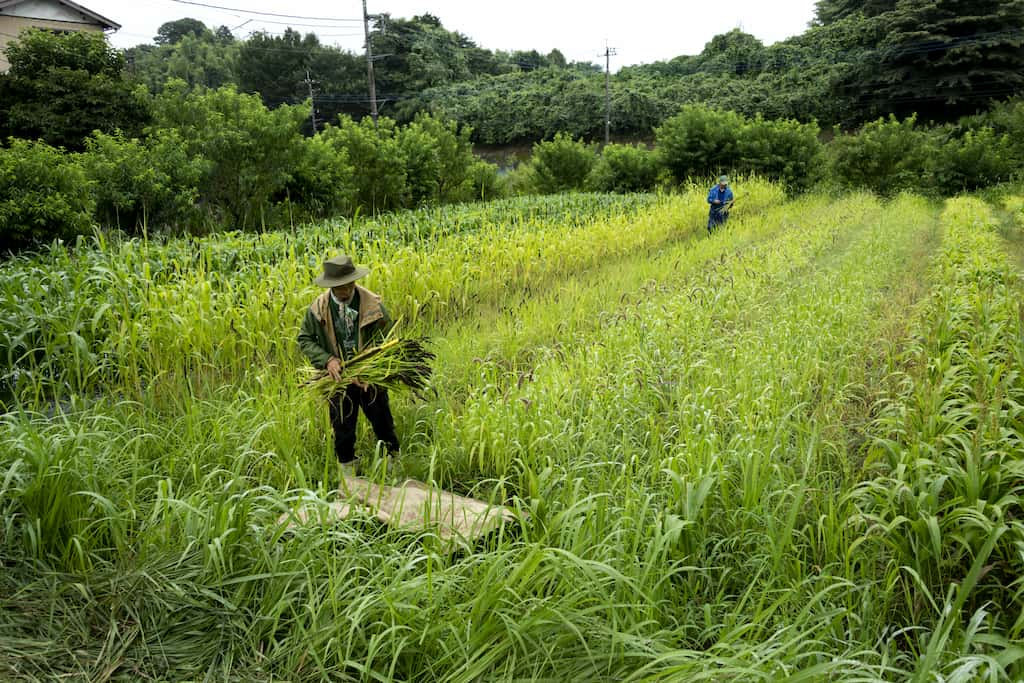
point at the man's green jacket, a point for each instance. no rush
(318, 337)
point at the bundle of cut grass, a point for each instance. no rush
(393, 364)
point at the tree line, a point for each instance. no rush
(938, 59)
(202, 132)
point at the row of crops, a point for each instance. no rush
(791, 450)
(125, 313)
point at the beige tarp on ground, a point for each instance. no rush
(411, 506)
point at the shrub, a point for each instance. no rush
(252, 151)
(422, 160)
(1004, 118)
(61, 87)
(624, 168)
(322, 184)
(886, 156)
(454, 153)
(517, 181)
(380, 180)
(787, 151)
(699, 142)
(561, 164)
(481, 183)
(44, 195)
(138, 185)
(979, 158)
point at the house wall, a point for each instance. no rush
(10, 26)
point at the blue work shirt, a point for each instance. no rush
(724, 196)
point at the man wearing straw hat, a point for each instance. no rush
(338, 324)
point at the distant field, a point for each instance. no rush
(792, 450)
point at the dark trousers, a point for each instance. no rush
(344, 412)
(715, 219)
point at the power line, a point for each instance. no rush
(264, 14)
(293, 23)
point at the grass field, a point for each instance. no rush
(793, 450)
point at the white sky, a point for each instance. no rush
(640, 31)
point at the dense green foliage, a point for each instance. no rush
(699, 141)
(887, 156)
(890, 156)
(139, 185)
(624, 168)
(706, 142)
(939, 59)
(185, 50)
(43, 196)
(61, 88)
(225, 137)
(249, 149)
(560, 164)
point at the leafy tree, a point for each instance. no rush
(252, 152)
(422, 164)
(377, 154)
(624, 168)
(556, 59)
(44, 196)
(938, 58)
(886, 156)
(734, 52)
(454, 153)
(201, 61)
(523, 106)
(274, 67)
(339, 83)
(830, 11)
(223, 35)
(1004, 118)
(978, 158)
(62, 87)
(787, 151)
(171, 32)
(699, 142)
(528, 60)
(561, 164)
(140, 185)
(322, 184)
(418, 53)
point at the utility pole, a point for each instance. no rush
(608, 52)
(312, 102)
(369, 65)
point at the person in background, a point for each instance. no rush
(720, 198)
(340, 323)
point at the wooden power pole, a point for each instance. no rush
(369, 66)
(312, 102)
(608, 52)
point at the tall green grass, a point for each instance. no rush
(681, 421)
(941, 517)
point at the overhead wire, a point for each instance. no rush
(266, 14)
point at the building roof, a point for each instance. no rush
(87, 13)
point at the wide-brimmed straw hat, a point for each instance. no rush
(340, 271)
